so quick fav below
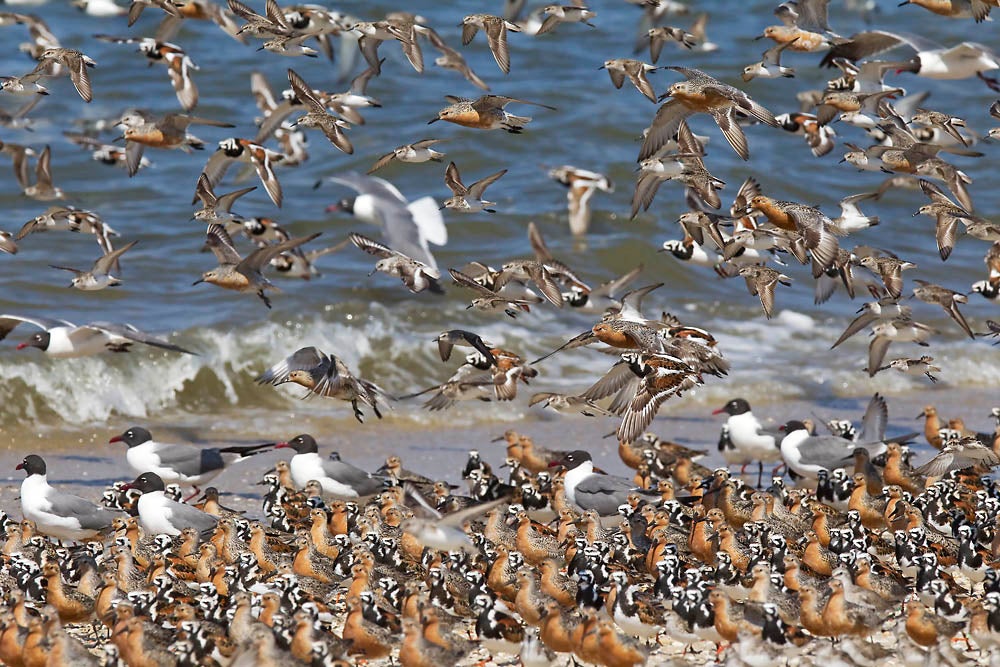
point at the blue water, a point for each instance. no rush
(373, 323)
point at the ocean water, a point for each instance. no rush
(381, 330)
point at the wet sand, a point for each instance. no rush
(84, 462)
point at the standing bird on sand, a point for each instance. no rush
(56, 514)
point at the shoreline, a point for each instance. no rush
(81, 457)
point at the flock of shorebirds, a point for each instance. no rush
(555, 559)
(560, 558)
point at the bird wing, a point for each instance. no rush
(454, 180)
(726, 120)
(382, 161)
(273, 120)
(876, 353)
(105, 263)
(371, 247)
(304, 92)
(221, 245)
(225, 202)
(827, 451)
(663, 128)
(466, 281)
(133, 156)
(370, 185)
(305, 359)
(262, 163)
(203, 191)
(9, 322)
(586, 338)
(261, 257)
(477, 189)
(185, 516)
(617, 377)
(132, 333)
(603, 485)
(402, 224)
(90, 516)
(188, 460)
(262, 93)
(857, 324)
(937, 466)
(875, 420)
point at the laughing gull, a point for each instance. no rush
(408, 226)
(56, 514)
(158, 514)
(590, 490)
(805, 454)
(748, 440)
(60, 338)
(338, 478)
(183, 464)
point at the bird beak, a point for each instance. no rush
(115, 439)
(601, 67)
(331, 208)
(372, 272)
(19, 466)
(719, 411)
(126, 487)
(433, 120)
(499, 438)
(200, 280)
(922, 414)
(21, 346)
(759, 37)
(281, 445)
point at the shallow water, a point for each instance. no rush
(377, 327)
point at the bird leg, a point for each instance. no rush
(194, 494)
(263, 297)
(760, 474)
(360, 416)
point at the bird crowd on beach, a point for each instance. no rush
(555, 558)
(342, 564)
